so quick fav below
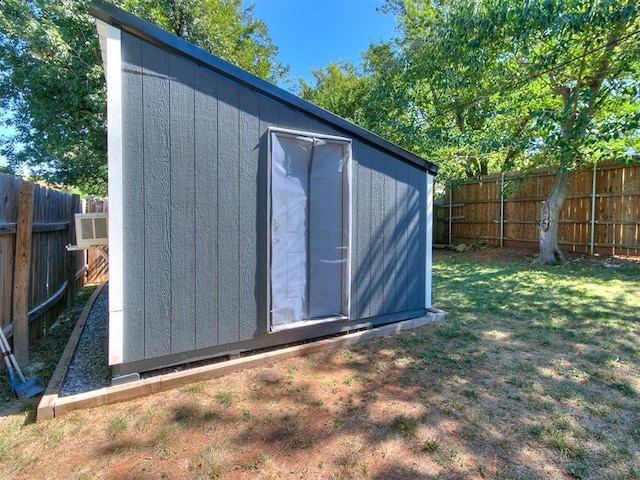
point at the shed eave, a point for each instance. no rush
(128, 22)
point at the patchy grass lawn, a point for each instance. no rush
(535, 374)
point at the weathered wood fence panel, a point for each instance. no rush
(97, 265)
(600, 215)
(9, 188)
(38, 277)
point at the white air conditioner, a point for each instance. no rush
(91, 229)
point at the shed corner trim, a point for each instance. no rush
(110, 46)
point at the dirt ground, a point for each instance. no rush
(341, 414)
(489, 253)
(372, 411)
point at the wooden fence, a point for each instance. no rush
(600, 215)
(38, 277)
(97, 266)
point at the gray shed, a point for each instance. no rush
(242, 217)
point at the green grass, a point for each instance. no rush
(430, 445)
(45, 352)
(533, 374)
(192, 414)
(207, 463)
(118, 426)
(563, 345)
(225, 398)
(404, 425)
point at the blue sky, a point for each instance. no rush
(313, 33)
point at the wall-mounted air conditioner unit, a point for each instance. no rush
(91, 229)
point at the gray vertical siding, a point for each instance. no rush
(402, 254)
(134, 200)
(360, 234)
(377, 255)
(388, 234)
(269, 115)
(157, 203)
(182, 205)
(390, 231)
(196, 215)
(228, 208)
(249, 206)
(206, 205)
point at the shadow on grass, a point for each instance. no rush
(533, 375)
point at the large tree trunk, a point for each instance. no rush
(550, 253)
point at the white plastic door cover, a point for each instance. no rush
(309, 228)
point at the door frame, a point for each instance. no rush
(346, 212)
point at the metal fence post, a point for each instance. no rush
(450, 211)
(593, 211)
(502, 210)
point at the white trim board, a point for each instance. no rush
(110, 46)
(428, 241)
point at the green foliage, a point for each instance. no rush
(117, 426)
(207, 463)
(225, 398)
(493, 85)
(6, 170)
(52, 81)
(222, 27)
(339, 89)
(486, 86)
(404, 425)
(430, 445)
(540, 81)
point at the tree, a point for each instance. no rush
(467, 132)
(411, 91)
(340, 88)
(222, 27)
(371, 95)
(51, 77)
(52, 82)
(561, 74)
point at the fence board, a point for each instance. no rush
(49, 274)
(97, 266)
(21, 274)
(471, 212)
(9, 186)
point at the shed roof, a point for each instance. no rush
(128, 22)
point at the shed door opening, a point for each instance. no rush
(309, 229)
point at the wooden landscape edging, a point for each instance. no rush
(52, 405)
(48, 400)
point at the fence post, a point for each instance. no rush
(502, 210)
(450, 210)
(593, 211)
(21, 274)
(70, 257)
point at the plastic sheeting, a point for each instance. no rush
(309, 229)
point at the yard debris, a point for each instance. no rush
(463, 247)
(611, 265)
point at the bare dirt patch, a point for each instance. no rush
(534, 375)
(491, 253)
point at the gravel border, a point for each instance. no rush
(89, 369)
